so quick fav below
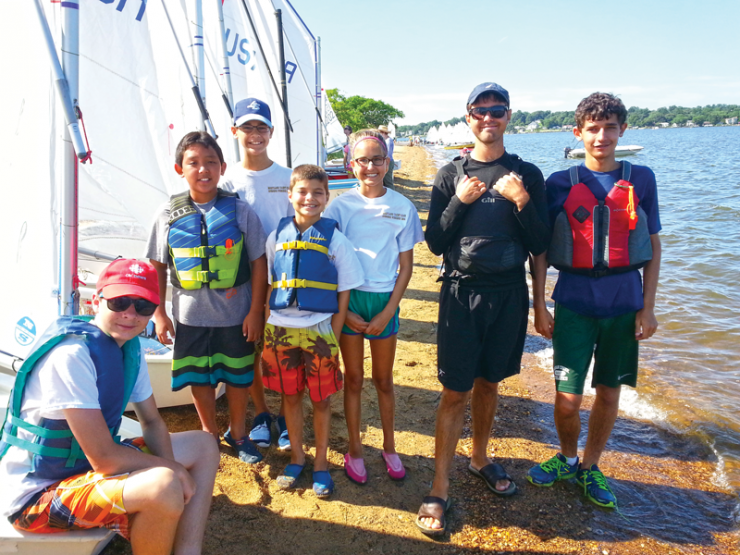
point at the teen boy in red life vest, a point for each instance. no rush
(605, 225)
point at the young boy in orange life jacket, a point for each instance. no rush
(606, 225)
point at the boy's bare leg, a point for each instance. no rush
(257, 389)
(237, 397)
(200, 456)
(568, 421)
(154, 500)
(204, 398)
(294, 421)
(321, 429)
(601, 423)
(352, 347)
(383, 353)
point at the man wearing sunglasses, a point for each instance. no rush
(61, 464)
(488, 213)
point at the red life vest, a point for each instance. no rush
(600, 237)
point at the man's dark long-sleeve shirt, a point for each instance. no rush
(450, 220)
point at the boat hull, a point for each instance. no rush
(620, 151)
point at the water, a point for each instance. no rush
(689, 372)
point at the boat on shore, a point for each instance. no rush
(460, 146)
(626, 150)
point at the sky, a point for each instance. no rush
(424, 57)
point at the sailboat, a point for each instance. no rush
(130, 69)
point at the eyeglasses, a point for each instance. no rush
(376, 161)
(496, 112)
(141, 306)
(261, 129)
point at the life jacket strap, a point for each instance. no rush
(39, 430)
(205, 251)
(72, 455)
(301, 245)
(303, 284)
(204, 276)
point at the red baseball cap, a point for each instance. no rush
(129, 277)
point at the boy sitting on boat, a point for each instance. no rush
(62, 467)
(605, 226)
(213, 243)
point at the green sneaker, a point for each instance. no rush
(550, 471)
(595, 487)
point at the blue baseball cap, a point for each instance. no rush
(488, 87)
(250, 109)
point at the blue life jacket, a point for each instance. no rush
(56, 453)
(206, 248)
(302, 269)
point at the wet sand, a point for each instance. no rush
(664, 481)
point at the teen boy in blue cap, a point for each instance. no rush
(264, 185)
(487, 214)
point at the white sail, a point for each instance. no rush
(136, 100)
(335, 139)
(30, 222)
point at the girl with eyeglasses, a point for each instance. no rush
(383, 226)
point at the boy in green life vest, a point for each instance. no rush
(62, 467)
(213, 244)
(606, 225)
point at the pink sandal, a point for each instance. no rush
(355, 469)
(393, 464)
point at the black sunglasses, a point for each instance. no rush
(141, 306)
(496, 112)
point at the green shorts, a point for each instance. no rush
(367, 305)
(577, 339)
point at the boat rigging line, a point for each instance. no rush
(283, 103)
(195, 89)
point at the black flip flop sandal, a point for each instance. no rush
(436, 508)
(492, 473)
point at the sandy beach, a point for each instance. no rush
(250, 513)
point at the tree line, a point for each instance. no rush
(636, 117)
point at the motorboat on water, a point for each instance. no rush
(626, 150)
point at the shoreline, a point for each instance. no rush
(655, 489)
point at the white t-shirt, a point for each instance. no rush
(266, 191)
(349, 276)
(64, 378)
(379, 229)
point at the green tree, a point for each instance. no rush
(360, 112)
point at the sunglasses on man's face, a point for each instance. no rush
(141, 306)
(496, 112)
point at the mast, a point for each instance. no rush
(320, 129)
(229, 99)
(199, 55)
(69, 297)
(66, 78)
(283, 84)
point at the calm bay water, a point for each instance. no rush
(689, 371)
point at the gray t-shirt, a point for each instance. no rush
(207, 307)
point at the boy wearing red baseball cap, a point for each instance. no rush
(61, 464)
